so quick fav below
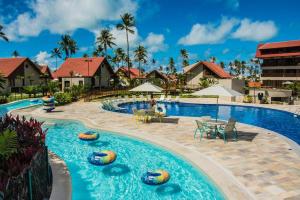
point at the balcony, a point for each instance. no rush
(280, 75)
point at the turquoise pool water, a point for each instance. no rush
(122, 179)
(279, 121)
(5, 108)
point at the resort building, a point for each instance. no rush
(134, 73)
(280, 62)
(19, 72)
(93, 72)
(161, 78)
(46, 75)
(204, 69)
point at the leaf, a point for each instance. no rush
(8, 143)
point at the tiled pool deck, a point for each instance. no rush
(261, 165)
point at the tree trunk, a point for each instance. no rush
(128, 55)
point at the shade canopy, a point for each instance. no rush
(146, 87)
(218, 90)
(287, 83)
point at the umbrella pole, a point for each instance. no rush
(217, 110)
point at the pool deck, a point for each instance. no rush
(260, 165)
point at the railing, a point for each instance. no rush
(280, 75)
(95, 94)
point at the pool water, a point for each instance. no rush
(122, 179)
(279, 121)
(5, 108)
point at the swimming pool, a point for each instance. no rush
(5, 108)
(122, 179)
(279, 121)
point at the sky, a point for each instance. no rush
(225, 29)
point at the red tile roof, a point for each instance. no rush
(9, 65)
(45, 69)
(134, 72)
(219, 71)
(275, 45)
(79, 66)
(277, 55)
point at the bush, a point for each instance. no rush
(248, 99)
(20, 140)
(76, 91)
(62, 98)
(32, 89)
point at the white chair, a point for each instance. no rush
(162, 97)
(169, 98)
(133, 97)
(177, 99)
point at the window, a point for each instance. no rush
(67, 83)
(80, 83)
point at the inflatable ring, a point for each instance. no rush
(48, 99)
(88, 136)
(103, 157)
(156, 177)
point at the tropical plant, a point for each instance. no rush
(15, 54)
(119, 56)
(206, 82)
(2, 34)
(213, 59)
(53, 87)
(85, 55)
(98, 51)
(2, 81)
(128, 24)
(295, 87)
(105, 39)
(63, 98)
(222, 64)
(31, 90)
(71, 75)
(67, 45)
(181, 81)
(171, 66)
(76, 91)
(8, 143)
(140, 54)
(185, 57)
(57, 54)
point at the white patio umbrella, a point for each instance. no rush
(287, 83)
(217, 90)
(147, 87)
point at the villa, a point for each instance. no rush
(134, 73)
(93, 72)
(161, 78)
(20, 72)
(280, 62)
(204, 69)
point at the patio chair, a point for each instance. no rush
(169, 98)
(136, 114)
(148, 97)
(162, 97)
(133, 98)
(177, 99)
(229, 128)
(141, 98)
(202, 127)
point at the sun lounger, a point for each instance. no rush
(162, 97)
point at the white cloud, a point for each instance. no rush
(244, 29)
(225, 51)
(255, 30)
(43, 57)
(155, 42)
(209, 33)
(66, 16)
(120, 36)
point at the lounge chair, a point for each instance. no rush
(133, 98)
(148, 97)
(177, 99)
(162, 97)
(168, 99)
(202, 127)
(229, 128)
(142, 98)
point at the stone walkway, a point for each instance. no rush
(261, 165)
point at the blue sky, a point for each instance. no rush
(226, 29)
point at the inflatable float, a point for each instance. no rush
(103, 157)
(49, 103)
(156, 177)
(88, 136)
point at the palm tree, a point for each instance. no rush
(185, 56)
(172, 68)
(98, 51)
(67, 45)
(85, 55)
(106, 40)
(127, 24)
(120, 55)
(222, 64)
(57, 54)
(140, 56)
(213, 59)
(15, 54)
(2, 34)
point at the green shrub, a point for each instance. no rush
(248, 99)
(76, 91)
(62, 98)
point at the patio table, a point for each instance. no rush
(215, 123)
